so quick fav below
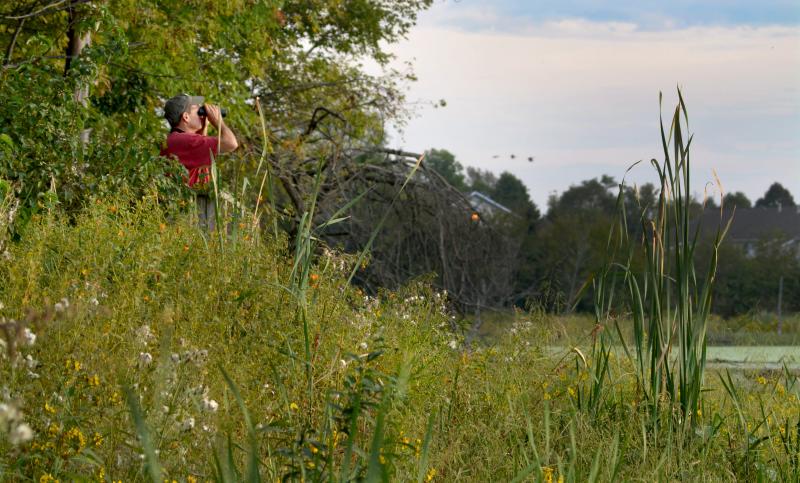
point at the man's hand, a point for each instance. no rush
(203, 131)
(213, 114)
(228, 141)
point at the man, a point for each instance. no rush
(188, 142)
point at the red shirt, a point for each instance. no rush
(194, 151)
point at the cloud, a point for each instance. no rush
(582, 96)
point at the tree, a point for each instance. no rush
(572, 239)
(776, 196)
(736, 200)
(296, 61)
(481, 180)
(444, 163)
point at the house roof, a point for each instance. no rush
(476, 198)
(751, 224)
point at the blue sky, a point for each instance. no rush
(653, 14)
(575, 84)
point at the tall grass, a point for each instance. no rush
(669, 302)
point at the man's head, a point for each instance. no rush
(181, 112)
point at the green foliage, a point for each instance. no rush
(776, 196)
(390, 398)
(444, 163)
(737, 200)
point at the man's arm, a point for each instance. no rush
(228, 141)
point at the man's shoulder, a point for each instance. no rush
(188, 139)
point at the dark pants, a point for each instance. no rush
(206, 212)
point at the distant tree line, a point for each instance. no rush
(561, 249)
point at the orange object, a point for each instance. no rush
(475, 217)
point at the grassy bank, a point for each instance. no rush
(136, 349)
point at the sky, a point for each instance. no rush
(575, 85)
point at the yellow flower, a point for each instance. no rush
(49, 409)
(93, 380)
(294, 407)
(761, 380)
(101, 474)
(571, 391)
(191, 479)
(75, 436)
(73, 365)
(431, 474)
(547, 474)
(48, 478)
(97, 439)
(115, 398)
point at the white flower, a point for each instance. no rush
(29, 337)
(22, 433)
(210, 405)
(31, 362)
(343, 363)
(453, 344)
(363, 346)
(144, 334)
(59, 307)
(2, 306)
(188, 424)
(176, 358)
(145, 359)
(94, 301)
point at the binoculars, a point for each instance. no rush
(202, 111)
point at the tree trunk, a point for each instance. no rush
(76, 42)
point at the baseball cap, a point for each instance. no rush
(179, 104)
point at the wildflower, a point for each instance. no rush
(547, 474)
(73, 365)
(22, 433)
(48, 478)
(571, 391)
(453, 344)
(210, 405)
(430, 475)
(31, 362)
(29, 337)
(191, 479)
(49, 409)
(363, 346)
(93, 380)
(75, 436)
(115, 398)
(144, 334)
(101, 474)
(188, 424)
(294, 407)
(97, 439)
(145, 359)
